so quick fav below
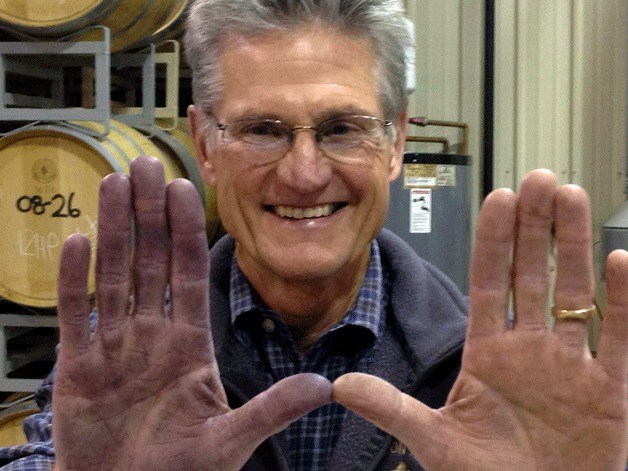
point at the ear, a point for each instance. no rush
(396, 161)
(204, 156)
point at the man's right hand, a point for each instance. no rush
(143, 392)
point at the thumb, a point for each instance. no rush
(272, 411)
(410, 421)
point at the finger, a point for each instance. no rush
(73, 303)
(532, 245)
(574, 262)
(113, 251)
(189, 282)
(490, 265)
(152, 243)
(613, 343)
(272, 411)
(378, 401)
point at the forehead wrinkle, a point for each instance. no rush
(263, 72)
(319, 109)
(298, 47)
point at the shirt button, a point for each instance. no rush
(268, 325)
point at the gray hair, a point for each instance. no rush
(382, 21)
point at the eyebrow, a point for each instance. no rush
(251, 115)
(345, 111)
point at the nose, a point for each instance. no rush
(303, 168)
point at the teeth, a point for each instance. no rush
(304, 213)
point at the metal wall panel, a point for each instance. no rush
(560, 99)
(449, 66)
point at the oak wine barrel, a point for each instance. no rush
(49, 184)
(11, 423)
(214, 228)
(130, 21)
(172, 27)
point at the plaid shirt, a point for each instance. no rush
(38, 453)
(348, 346)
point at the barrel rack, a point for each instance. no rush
(17, 353)
(43, 62)
(102, 71)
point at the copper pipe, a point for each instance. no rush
(438, 140)
(422, 121)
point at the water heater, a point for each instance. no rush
(430, 208)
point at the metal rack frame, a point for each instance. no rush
(87, 54)
(46, 60)
(168, 54)
(73, 53)
(8, 364)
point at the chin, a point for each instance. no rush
(306, 263)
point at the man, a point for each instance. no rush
(299, 122)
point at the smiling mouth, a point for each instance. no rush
(290, 212)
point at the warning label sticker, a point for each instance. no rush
(446, 175)
(428, 175)
(420, 211)
(417, 175)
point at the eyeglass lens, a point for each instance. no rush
(345, 138)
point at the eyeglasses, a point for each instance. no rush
(344, 138)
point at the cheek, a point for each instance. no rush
(381, 200)
(370, 181)
(375, 194)
(239, 188)
(228, 197)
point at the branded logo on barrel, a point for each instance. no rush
(44, 170)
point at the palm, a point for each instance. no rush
(527, 397)
(507, 421)
(143, 392)
(132, 404)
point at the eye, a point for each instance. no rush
(262, 129)
(340, 128)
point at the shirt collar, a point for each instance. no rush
(367, 312)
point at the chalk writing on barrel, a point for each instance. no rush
(91, 230)
(47, 246)
(40, 246)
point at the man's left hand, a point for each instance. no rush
(528, 396)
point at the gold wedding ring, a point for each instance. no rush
(575, 314)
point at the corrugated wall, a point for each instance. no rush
(560, 99)
(560, 91)
(449, 67)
